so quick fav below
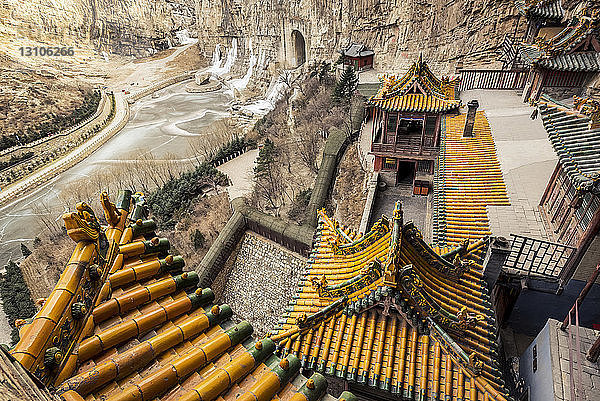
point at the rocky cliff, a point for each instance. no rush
(126, 27)
(446, 32)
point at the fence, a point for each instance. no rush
(537, 257)
(492, 79)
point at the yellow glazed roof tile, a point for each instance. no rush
(419, 90)
(402, 313)
(124, 323)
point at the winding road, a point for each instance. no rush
(160, 126)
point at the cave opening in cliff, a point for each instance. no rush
(299, 48)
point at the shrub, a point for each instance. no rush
(16, 298)
(197, 239)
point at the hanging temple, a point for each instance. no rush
(384, 310)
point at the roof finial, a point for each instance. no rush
(398, 216)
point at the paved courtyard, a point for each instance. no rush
(526, 157)
(414, 207)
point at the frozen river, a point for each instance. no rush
(161, 126)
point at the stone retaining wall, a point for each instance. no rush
(98, 115)
(263, 276)
(47, 173)
(371, 196)
(134, 97)
(47, 149)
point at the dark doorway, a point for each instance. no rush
(410, 127)
(406, 172)
(299, 48)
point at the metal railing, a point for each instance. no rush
(537, 257)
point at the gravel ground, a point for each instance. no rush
(263, 280)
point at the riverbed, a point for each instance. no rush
(161, 125)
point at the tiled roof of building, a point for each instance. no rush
(125, 323)
(419, 90)
(575, 137)
(386, 311)
(575, 48)
(467, 179)
(549, 9)
(357, 50)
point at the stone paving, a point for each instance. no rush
(414, 206)
(263, 280)
(241, 172)
(526, 157)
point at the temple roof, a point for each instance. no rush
(419, 90)
(125, 322)
(357, 50)
(549, 9)
(386, 311)
(575, 136)
(467, 180)
(575, 48)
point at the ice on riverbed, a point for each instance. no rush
(275, 92)
(216, 67)
(183, 36)
(242, 83)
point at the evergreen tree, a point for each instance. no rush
(198, 239)
(25, 251)
(266, 157)
(346, 86)
(267, 176)
(16, 298)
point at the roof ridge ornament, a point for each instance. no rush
(393, 257)
(590, 108)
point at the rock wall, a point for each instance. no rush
(126, 27)
(446, 32)
(263, 279)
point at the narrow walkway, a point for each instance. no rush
(45, 174)
(241, 172)
(468, 179)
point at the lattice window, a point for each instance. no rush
(392, 122)
(424, 166)
(389, 163)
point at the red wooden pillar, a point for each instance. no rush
(422, 135)
(373, 123)
(378, 163)
(385, 122)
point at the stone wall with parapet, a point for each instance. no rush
(296, 238)
(260, 281)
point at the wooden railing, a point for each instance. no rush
(405, 147)
(492, 79)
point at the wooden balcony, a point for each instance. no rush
(407, 146)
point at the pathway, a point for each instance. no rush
(14, 191)
(241, 172)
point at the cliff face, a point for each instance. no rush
(126, 27)
(446, 32)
